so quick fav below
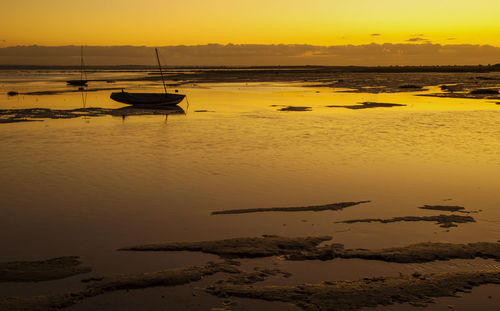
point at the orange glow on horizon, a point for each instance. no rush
(192, 22)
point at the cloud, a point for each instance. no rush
(416, 39)
(375, 34)
(423, 53)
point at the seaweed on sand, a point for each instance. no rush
(56, 92)
(309, 249)
(451, 88)
(445, 208)
(368, 292)
(43, 270)
(343, 295)
(336, 295)
(265, 246)
(421, 252)
(98, 286)
(366, 105)
(410, 86)
(449, 208)
(295, 108)
(446, 221)
(484, 92)
(315, 208)
(170, 277)
(17, 120)
(173, 277)
(36, 114)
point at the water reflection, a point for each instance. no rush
(125, 112)
(83, 91)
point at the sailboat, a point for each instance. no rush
(149, 99)
(82, 81)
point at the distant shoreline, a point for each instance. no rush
(349, 69)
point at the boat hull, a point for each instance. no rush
(77, 82)
(147, 99)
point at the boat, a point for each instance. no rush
(82, 81)
(146, 99)
(149, 99)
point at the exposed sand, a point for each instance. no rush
(367, 105)
(448, 208)
(98, 286)
(314, 208)
(445, 208)
(265, 246)
(362, 80)
(417, 289)
(446, 221)
(55, 92)
(308, 249)
(38, 114)
(421, 252)
(353, 295)
(295, 108)
(44, 270)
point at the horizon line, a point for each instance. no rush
(494, 67)
(258, 44)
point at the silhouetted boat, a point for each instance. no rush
(77, 82)
(148, 99)
(82, 81)
(144, 99)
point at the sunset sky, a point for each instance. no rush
(264, 22)
(192, 22)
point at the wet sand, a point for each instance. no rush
(362, 82)
(308, 249)
(417, 289)
(241, 247)
(101, 285)
(353, 295)
(38, 114)
(45, 270)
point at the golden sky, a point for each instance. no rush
(193, 22)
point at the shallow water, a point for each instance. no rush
(87, 186)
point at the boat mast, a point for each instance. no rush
(81, 63)
(83, 74)
(161, 72)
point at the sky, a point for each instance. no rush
(264, 22)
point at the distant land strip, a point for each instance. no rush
(314, 208)
(347, 69)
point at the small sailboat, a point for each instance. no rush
(83, 74)
(149, 99)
